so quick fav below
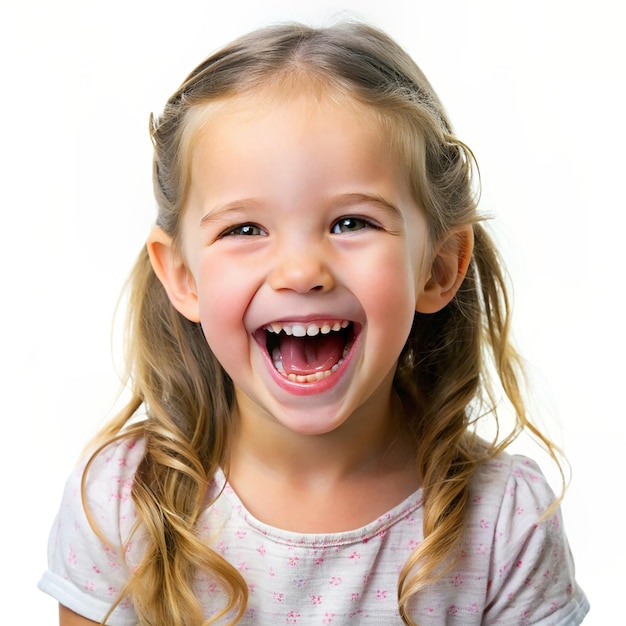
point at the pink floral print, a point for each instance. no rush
(512, 568)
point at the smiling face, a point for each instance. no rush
(304, 257)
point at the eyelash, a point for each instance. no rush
(365, 223)
(237, 231)
(254, 230)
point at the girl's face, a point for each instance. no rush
(306, 258)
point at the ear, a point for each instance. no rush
(447, 270)
(174, 275)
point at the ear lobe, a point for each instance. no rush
(174, 275)
(448, 270)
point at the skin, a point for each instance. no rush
(321, 227)
(69, 618)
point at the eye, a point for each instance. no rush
(244, 230)
(350, 224)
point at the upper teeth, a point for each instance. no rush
(302, 330)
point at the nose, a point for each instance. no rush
(301, 270)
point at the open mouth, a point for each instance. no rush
(307, 352)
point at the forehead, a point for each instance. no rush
(292, 151)
(296, 121)
(246, 107)
(245, 133)
(330, 110)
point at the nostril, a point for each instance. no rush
(303, 274)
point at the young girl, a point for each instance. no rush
(313, 328)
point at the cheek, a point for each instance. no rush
(224, 333)
(392, 312)
(391, 283)
(222, 304)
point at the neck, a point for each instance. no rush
(328, 482)
(374, 439)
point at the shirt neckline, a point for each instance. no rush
(376, 528)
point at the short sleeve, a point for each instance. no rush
(532, 571)
(86, 573)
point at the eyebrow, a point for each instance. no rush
(350, 199)
(230, 207)
(341, 200)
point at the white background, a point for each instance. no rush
(535, 88)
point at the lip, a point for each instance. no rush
(310, 388)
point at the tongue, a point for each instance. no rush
(308, 355)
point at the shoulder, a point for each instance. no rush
(101, 484)
(514, 519)
(108, 477)
(512, 502)
(507, 481)
(89, 553)
(509, 500)
(98, 491)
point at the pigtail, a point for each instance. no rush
(438, 377)
(185, 444)
(450, 354)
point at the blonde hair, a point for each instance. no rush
(443, 372)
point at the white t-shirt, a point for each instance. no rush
(512, 570)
